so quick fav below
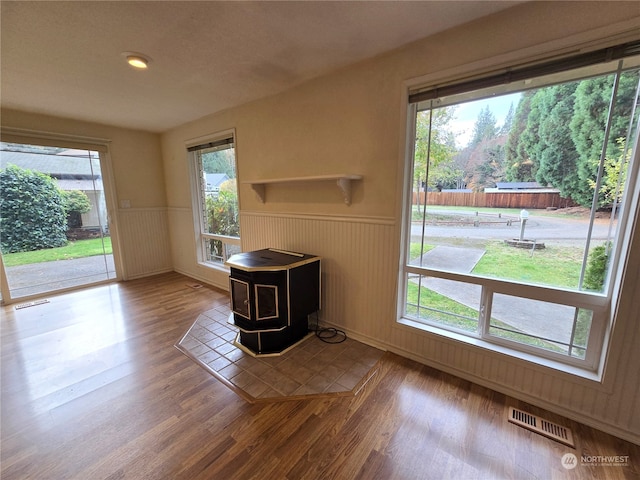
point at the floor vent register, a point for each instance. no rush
(31, 304)
(541, 426)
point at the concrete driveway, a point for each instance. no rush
(37, 278)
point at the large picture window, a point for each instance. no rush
(518, 193)
(215, 199)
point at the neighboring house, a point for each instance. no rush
(72, 170)
(213, 181)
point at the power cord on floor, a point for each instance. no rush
(328, 335)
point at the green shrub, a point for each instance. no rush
(222, 211)
(222, 215)
(75, 204)
(32, 215)
(596, 270)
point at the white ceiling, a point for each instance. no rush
(65, 58)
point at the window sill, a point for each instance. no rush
(588, 375)
(214, 266)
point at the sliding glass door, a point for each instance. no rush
(54, 231)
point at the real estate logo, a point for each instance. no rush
(569, 461)
(605, 460)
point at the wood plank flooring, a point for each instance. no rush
(93, 388)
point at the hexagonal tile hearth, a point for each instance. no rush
(312, 367)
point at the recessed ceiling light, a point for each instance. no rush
(137, 60)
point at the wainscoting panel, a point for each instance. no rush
(360, 266)
(144, 234)
(358, 272)
(182, 236)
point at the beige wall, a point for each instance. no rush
(353, 122)
(138, 176)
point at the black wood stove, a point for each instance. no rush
(272, 294)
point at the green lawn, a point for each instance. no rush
(442, 309)
(77, 249)
(553, 265)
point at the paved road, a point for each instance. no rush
(546, 229)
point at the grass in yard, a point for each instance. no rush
(73, 250)
(583, 326)
(554, 265)
(512, 334)
(441, 309)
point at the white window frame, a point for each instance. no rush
(603, 305)
(198, 202)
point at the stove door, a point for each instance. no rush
(266, 302)
(240, 302)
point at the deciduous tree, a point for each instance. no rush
(438, 144)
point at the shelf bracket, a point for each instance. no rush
(343, 181)
(344, 184)
(259, 189)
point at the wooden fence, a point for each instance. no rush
(496, 200)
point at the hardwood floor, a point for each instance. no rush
(93, 388)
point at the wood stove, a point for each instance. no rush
(272, 294)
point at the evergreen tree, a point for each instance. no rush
(508, 121)
(556, 152)
(519, 167)
(588, 124)
(485, 127)
(220, 161)
(529, 142)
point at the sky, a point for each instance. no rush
(467, 114)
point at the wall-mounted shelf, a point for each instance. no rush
(343, 181)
